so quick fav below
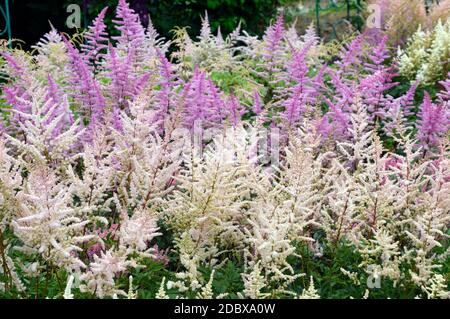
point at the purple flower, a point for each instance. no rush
(433, 123)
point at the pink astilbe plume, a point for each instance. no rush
(257, 105)
(203, 102)
(123, 80)
(132, 33)
(167, 82)
(372, 89)
(303, 93)
(234, 109)
(433, 123)
(273, 44)
(85, 88)
(59, 106)
(444, 94)
(340, 121)
(350, 55)
(96, 39)
(397, 112)
(15, 67)
(377, 56)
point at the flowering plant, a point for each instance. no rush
(121, 169)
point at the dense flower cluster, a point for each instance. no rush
(240, 152)
(426, 57)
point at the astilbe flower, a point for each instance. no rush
(154, 44)
(433, 123)
(96, 40)
(144, 162)
(378, 56)
(85, 87)
(206, 207)
(52, 57)
(350, 55)
(425, 56)
(273, 45)
(92, 200)
(136, 231)
(100, 279)
(444, 95)
(311, 292)
(205, 105)
(10, 180)
(48, 136)
(209, 53)
(254, 283)
(302, 94)
(168, 82)
(47, 223)
(122, 77)
(132, 33)
(397, 112)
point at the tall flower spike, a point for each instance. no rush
(132, 33)
(433, 123)
(167, 82)
(85, 88)
(235, 110)
(302, 93)
(350, 55)
(120, 72)
(444, 95)
(96, 39)
(272, 42)
(205, 32)
(377, 56)
(257, 106)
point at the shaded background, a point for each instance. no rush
(30, 19)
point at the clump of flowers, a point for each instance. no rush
(425, 57)
(125, 175)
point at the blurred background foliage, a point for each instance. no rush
(334, 19)
(30, 19)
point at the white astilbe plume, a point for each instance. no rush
(428, 222)
(300, 177)
(311, 292)
(52, 56)
(161, 294)
(254, 283)
(100, 279)
(437, 288)
(144, 161)
(10, 180)
(212, 191)
(92, 185)
(138, 230)
(210, 53)
(46, 136)
(381, 256)
(339, 210)
(46, 223)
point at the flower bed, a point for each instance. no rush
(279, 167)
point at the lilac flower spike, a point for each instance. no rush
(433, 123)
(86, 88)
(132, 33)
(257, 106)
(96, 39)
